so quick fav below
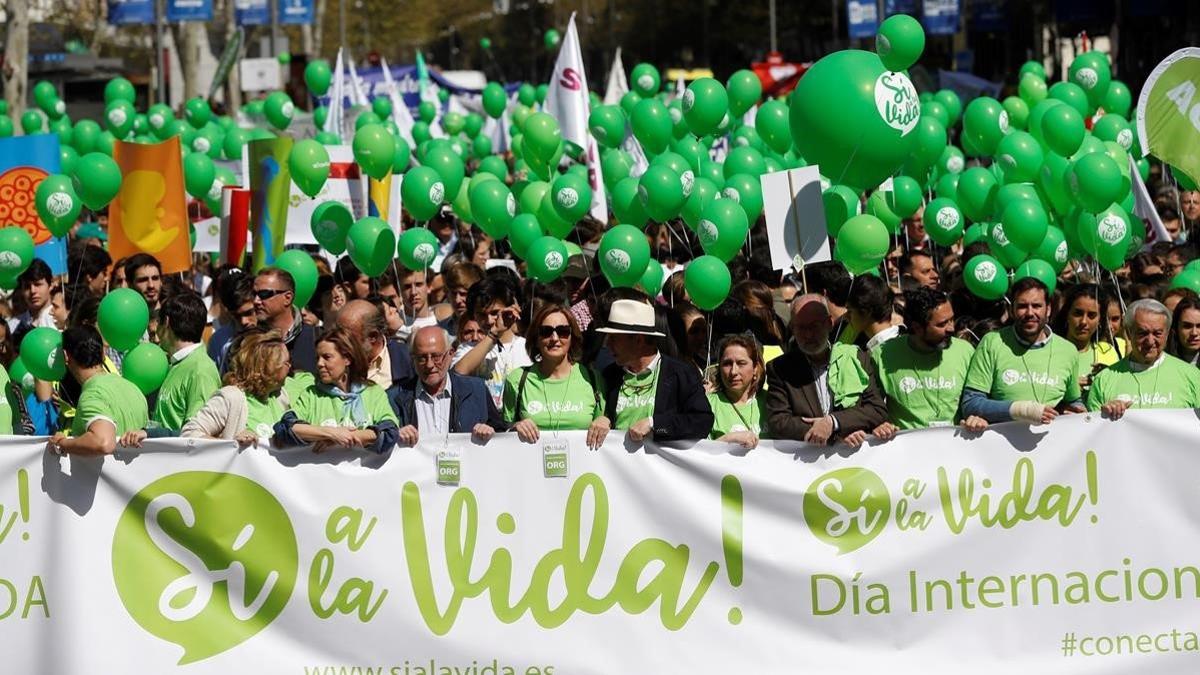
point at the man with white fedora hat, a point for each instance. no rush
(647, 393)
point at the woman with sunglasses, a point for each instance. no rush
(342, 409)
(556, 393)
(736, 402)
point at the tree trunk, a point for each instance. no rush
(191, 39)
(16, 57)
(318, 30)
(233, 83)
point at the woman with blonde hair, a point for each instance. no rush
(736, 400)
(251, 402)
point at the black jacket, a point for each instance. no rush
(470, 404)
(681, 410)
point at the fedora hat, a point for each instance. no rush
(630, 317)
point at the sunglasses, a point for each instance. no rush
(563, 331)
(267, 293)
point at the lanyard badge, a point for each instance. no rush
(555, 459)
(449, 467)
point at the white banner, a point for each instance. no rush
(1072, 548)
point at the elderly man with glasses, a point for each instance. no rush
(440, 402)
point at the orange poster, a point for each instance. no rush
(149, 214)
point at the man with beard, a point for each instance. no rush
(819, 392)
(923, 372)
(1024, 371)
(1148, 377)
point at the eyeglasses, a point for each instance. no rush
(563, 331)
(429, 358)
(268, 293)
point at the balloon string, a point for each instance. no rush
(586, 267)
(708, 351)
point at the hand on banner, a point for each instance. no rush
(822, 429)
(885, 432)
(246, 438)
(132, 439)
(527, 431)
(598, 431)
(482, 432)
(1032, 412)
(639, 431)
(409, 435)
(856, 439)
(1115, 409)
(337, 437)
(748, 439)
(975, 424)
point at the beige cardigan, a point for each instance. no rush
(223, 416)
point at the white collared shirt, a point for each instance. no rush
(433, 413)
(183, 352)
(882, 337)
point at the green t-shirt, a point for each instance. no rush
(1007, 370)
(189, 383)
(923, 388)
(297, 383)
(6, 409)
(1171, 383)
(727, 419)
(261, 416)
(568, 403)
(635, 398)
(111, 397)
(317, 408)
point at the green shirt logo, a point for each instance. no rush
(204, 560)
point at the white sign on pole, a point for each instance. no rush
(795, 214)
(259, 74)
(208, 235)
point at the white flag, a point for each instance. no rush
(618, 86)
(1143, 207)
(400, 112)
(356, 86)
(567, 101)
(333, 121)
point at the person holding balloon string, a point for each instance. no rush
(558, 392)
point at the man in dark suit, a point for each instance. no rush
(389, 364)
(820, 392)
(440, 402)
(647, 393)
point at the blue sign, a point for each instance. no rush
(127, 12)
(252, 13)
(295, 11)
(988, 16)
(862, 18)
(21, 154)
(891, 7)
(189, 10)
(940, 17)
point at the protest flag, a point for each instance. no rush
(149, 214)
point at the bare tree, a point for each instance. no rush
(16, 57)
(191, 39)
(233, 82)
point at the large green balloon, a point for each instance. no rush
(985, 277)
(645, 80)
(841, 203)
(417, 248)
(448, 165)
(607, 124)
(146, 366)
(1032, 89)
(615, 164)
(652, 125)
(1090, 70)
(309, 164)
(771, 121)
(495, 100)
(627, 201)
(703, 192)
(1112, 237)
(304, 273)
(1020, 157)
(723, 229)
(1062, 129)
(57, 204)
(977, 193)
(906, 196)
(985, 122)
(746, 190)
(523, 231)
(862, 243)
(1025, 223)
(492, 205)
(122, 318)
(197, 112)
(899, 42)
(16, 251)
(1118, 100)
(423, 192)
(651, 281)
(317, 76)
(97, 180)
(542, 135)
(382, 107)
(279, 110)
(554, 224)
(854, 118)
(1071, 94)
(705, 105)
(1001, 246)
(1095, 180)
(119, 117)
(745, 90)
(661, 193)
(943, 221)
(744, 160)
(330, 223)
(707, 282)
(1113, 127)
(546, 259)
(198, 174)
(1053, 250)
(572, 196)
(371, 244)
(119, 89)
(42, 354)
(624, 254)
(375, 149)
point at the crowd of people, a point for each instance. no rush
(470, 346)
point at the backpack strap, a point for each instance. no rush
(517, 409)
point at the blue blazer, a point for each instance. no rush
(470, 404)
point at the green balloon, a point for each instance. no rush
(746, 190)
(745, 90)
(944, 221)
(309, 164)
(119, 117)
(1062, 128)
(723, 229)
(527, 94)
(531, 197)
(6, 126)
(1112, 237)
(554, 224)
(304, 273)
(423, 192)
(661, 193)
(1032, 89)
(279, 109)
(1090, 70)
(1018, 112)
(947, 186)
(161, 120)
(705, 104)
(899, 42)
(707, 282)
(1053, 250)
(370, 244)
(32, 122)
(197, 112)
(546, 259)
(122, 318)
(417, 248)
(367, 118)
(473, 126)
(862, 243)
(523, 231)
(645, 80)
(1112, 127)
(985, 122)
(1117, 100)
(317, 76)
(985, 277)
(615, 164)
(235, 142)
(629, 101)
(934, 109)
(906, 196)
(551, 38)
(1095, 180)
(1025, 223)
(42, 354)
(374, 150)
(841, 204)
(21, 375)
(67, 159)
(624, 254)
(382, 107)
(572, 197)
(744, 161)
(453, 122)
(837, 123)
(977, 193)
(543, 137)
(953, 104)
(198, 174)
(1071, 94)
(119, 89)
(16, 251)
(974, 233)
(1001, 246)
(449, 167)
(704, 191)
(493, 165)
(652, 125)
(495, 100)
(878, 206)
(57, 203)
(1020, 157)
(1032, 67)
(627, 202)
(493, 206)
(607, 124)
(330, 223)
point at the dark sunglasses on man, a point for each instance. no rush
(268, 293)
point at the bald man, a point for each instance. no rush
(820, 392)
(388, 362)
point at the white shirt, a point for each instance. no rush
(182, 353)
(433, 414)
(413, 324)
(497, 364)
(882, 337)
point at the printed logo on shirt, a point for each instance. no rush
(1147, 400)
(636, 401)
(534, 407)
(1012, 377)
(263, 430)
(910, 384)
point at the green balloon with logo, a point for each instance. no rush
(624, 254)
